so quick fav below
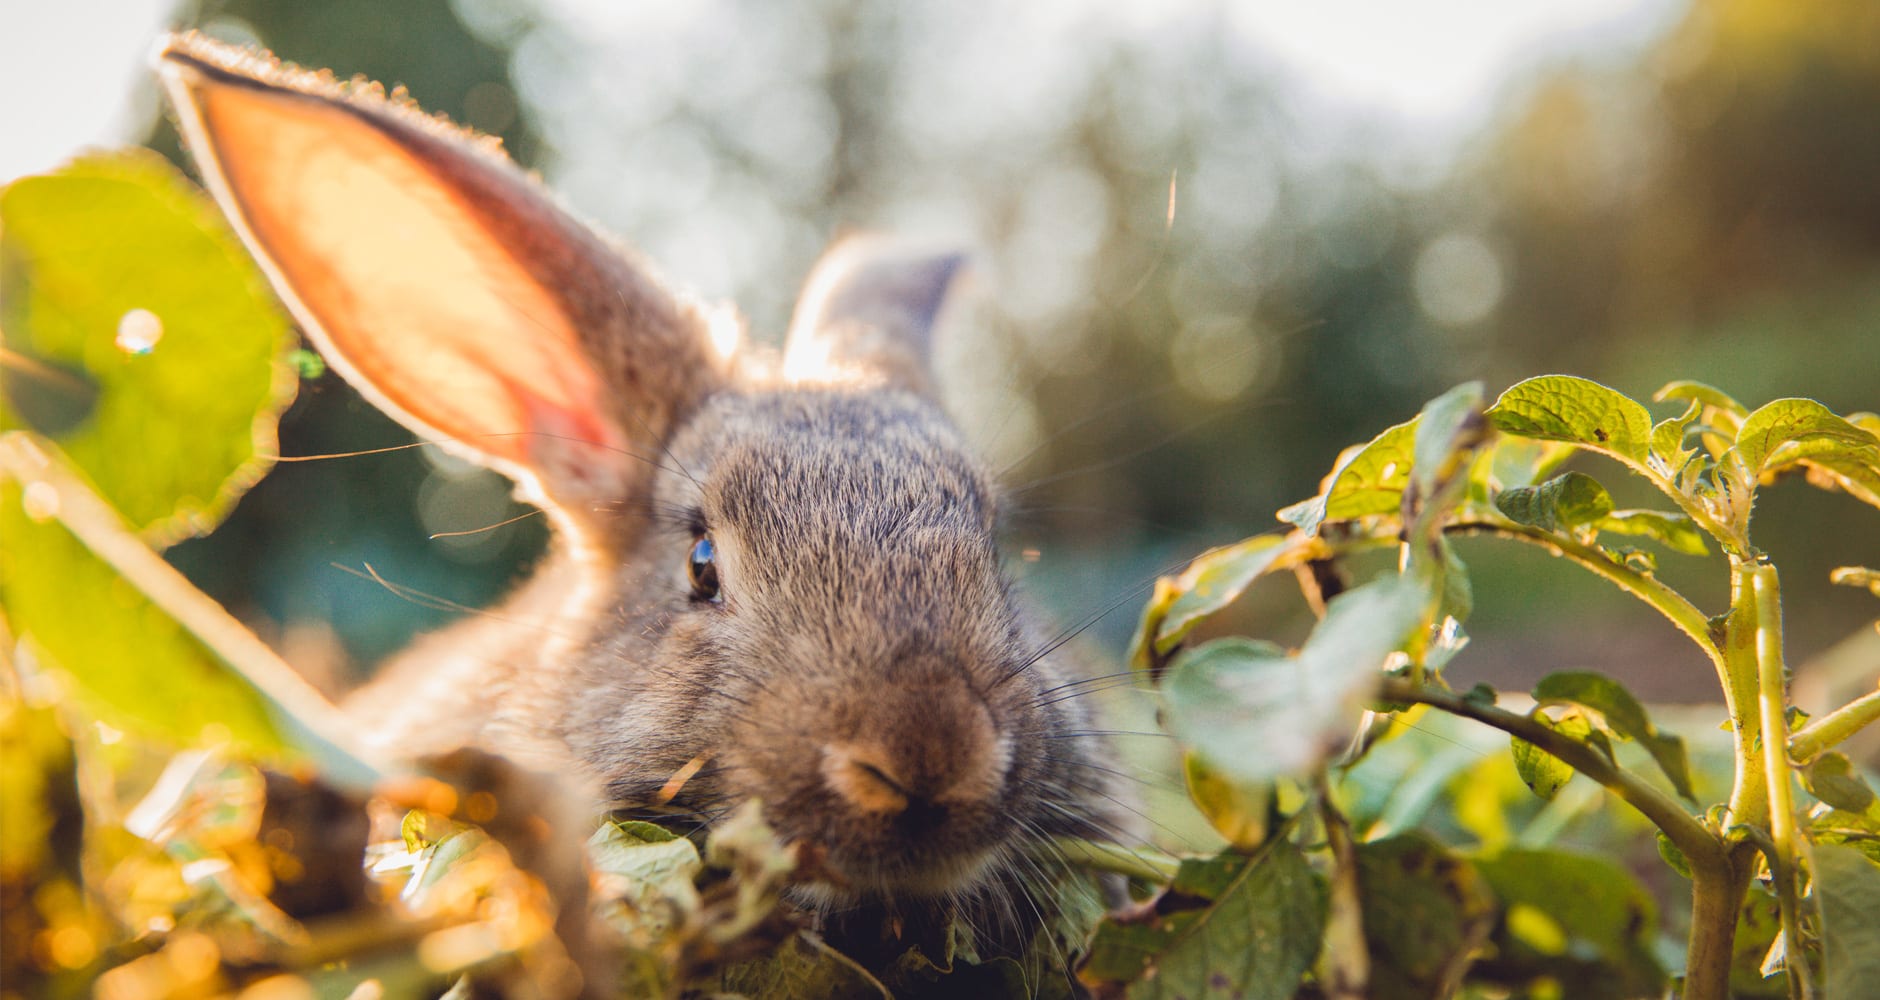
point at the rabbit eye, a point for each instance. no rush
(702, 569)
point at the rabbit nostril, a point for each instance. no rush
(862, 781)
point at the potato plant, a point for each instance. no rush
(182, 816)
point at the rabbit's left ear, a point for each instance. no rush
(442, 281)
(869, 309)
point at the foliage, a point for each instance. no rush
(222, 850)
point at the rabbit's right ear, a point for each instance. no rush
(440, 280)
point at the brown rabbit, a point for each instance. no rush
(783, 566)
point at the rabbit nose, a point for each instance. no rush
(918, 782)
(864, 781)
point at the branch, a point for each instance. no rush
(1827, 732)
(1701, 847)
(1666, 601)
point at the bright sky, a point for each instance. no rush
(1436, 64)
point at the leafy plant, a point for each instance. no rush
(183, 815)
(1249, 709)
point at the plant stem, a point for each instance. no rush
(1700, 846)
(1716, 899)
(1772, 699)
(1827, 732)
(1139, 862)
(1666, 601)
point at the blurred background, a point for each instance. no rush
(1214, 243)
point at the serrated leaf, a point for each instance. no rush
(1673, 530)
(1368, 480)
(1426, 911)
(1599, 922)
(1668, 453)
(1847, 890)
(1789, 430)
(1578, 411)
(1257, 714)
(1218, 577)
(1253, 936)
(1832, 779)
(1560, 504)
(1624, 716)
(117, 273)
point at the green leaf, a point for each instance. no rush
(1511, 461)
(1576, 919)
(1542, 772)
(138, 670)
(1673, 530)
(648, 868)
(1426, 911)
(98, 259)
(1847, 889)
(1560, 504)
(1448, 432)
(1702, 394)
(1257, 714)
(1578, 411)
(1624, 716)
(1230, 926)
(1789, 430)
(1237, 811)
(1366, 481)
(1218, 577)
(1832, 779)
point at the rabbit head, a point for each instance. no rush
(776, 574)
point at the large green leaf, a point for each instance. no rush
(1578, 411)
(1218, 577)
(1256, 713)
(1847, 889)
(1624, 716)
(1366, 481)
(1791, 430)
(1426, 911)
(1235, 925)
(1574, 919)
(137, 668)
(143, 340)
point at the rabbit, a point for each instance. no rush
(773, 570)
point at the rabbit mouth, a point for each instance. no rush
(874, 878)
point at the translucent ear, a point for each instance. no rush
(869, 310)
(438, 278)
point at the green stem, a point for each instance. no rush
(1666, 601)
(1749, 797)
(1716, 899)
(1135, 862)
(1827, 732)
(1772, 698)
(1700, 846)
